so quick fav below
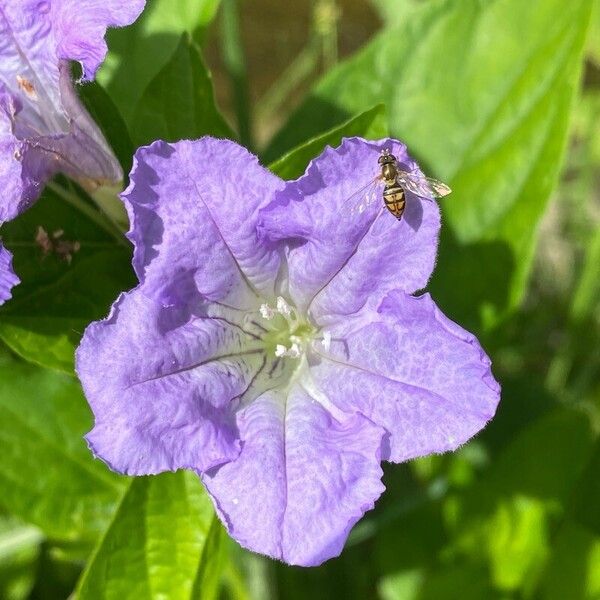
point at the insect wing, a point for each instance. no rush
(426, 187)
(360, 200)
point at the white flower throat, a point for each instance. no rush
(288, 333)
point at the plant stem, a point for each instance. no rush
(235, 65)
(298, 71)
(89, 211)
(326, 16)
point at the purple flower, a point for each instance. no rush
(273, 344)
(8, 279)
(44, 128)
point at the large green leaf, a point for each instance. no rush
(179, 102)
(370, 124)
(164, 542)
(57, 299)
(139, 52)
(47, 475)
(481, 92)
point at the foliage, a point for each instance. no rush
(487, 96)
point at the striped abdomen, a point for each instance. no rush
(393, 196)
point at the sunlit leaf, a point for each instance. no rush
(164, 542)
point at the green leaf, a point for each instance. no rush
(484, 107)
(47, 474)
(56, 299)
(179, 102)
(139, 52)
(164, 542)
(518, 543)
(19, 552)
(370, 124)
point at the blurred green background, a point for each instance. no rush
(501, 98)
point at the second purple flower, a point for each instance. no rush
(44, 129)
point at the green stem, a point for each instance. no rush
(327, 16)
(260, 579)
(89, 211)
(298, 71)
(235, 65)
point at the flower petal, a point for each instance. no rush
(411, 370)
(336, 252)
(8, 279)
(164, 384)
(193, 208)
(20, 183)
(80, 26)
(28, 60)
(302, 479)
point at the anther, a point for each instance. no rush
(266, 312)
(283, 307)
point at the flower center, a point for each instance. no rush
(288, 333)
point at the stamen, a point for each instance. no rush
(295, 351)
(283, 307)
(266, 312)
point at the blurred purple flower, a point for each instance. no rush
(8, 279)
(273, 344)
(44, 128)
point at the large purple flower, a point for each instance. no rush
(44, 128)
(273, 344)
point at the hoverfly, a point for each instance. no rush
(396, 182)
